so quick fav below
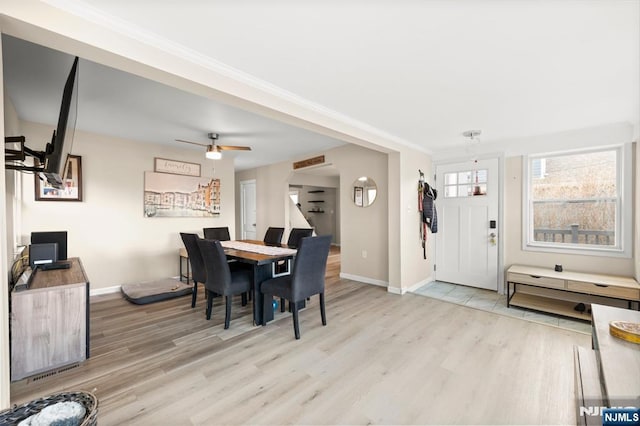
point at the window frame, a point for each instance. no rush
(624, 201)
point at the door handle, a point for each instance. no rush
(492, 238)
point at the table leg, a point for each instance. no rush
(261, 273)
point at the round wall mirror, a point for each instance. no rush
(364, 191)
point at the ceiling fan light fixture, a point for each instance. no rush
(213, 153)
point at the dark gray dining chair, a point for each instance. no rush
(297, 234)
(219, 233)
(198, 272)
(293, 241)
(306, 279)
(221, 279)
(273, 235)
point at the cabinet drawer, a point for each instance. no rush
(536, 280)
(603, 290)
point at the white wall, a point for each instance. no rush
(387, 230)
(608, 134)
(107, 230)
(636, 217)
(414, 269)
(4, 269)
(363, 229)
(360, 228)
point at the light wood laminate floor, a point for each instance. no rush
(381, 359)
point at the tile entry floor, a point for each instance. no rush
(492, 301)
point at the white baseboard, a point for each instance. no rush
(420, 284)
(390, 289)
(104, 290)
(365, 280)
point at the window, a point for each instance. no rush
(465, 184)
(574, 202)
(538, 167)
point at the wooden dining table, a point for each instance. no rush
(263, 270)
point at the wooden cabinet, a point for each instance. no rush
(544, 289)
(50, 321)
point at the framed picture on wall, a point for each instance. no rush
(71, 178)
(357, 195)
(172, 195)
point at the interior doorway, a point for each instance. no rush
(314, 200)
(248, 209)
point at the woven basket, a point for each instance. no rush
(87, 399)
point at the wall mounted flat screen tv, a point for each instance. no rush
(58, 149)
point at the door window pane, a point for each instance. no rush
(465, 184)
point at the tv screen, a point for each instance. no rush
(59, 148)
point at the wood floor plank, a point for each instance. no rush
(381, 359)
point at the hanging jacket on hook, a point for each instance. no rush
(429, 214)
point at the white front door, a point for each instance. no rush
(248, 209)
(467, 237)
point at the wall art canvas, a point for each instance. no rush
(168, 195)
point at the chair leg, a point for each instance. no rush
(282, 304)
(323, 314)
(296, 325)
(267, 303)
(209, 304)
(194, 295)
(227, 312)
(244, 299)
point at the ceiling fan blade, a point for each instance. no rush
(192, 143)
(233, 148)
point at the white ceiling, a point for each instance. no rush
(112, 102)
(422, 71)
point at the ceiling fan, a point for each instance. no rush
(213, 149)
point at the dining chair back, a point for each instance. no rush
(307, 278)
(273, 235)
(219, 233)
(297, 234)
(198, 272)
(221, 279)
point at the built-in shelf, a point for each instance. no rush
(316, 191)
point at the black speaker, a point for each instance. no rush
(42, 253)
